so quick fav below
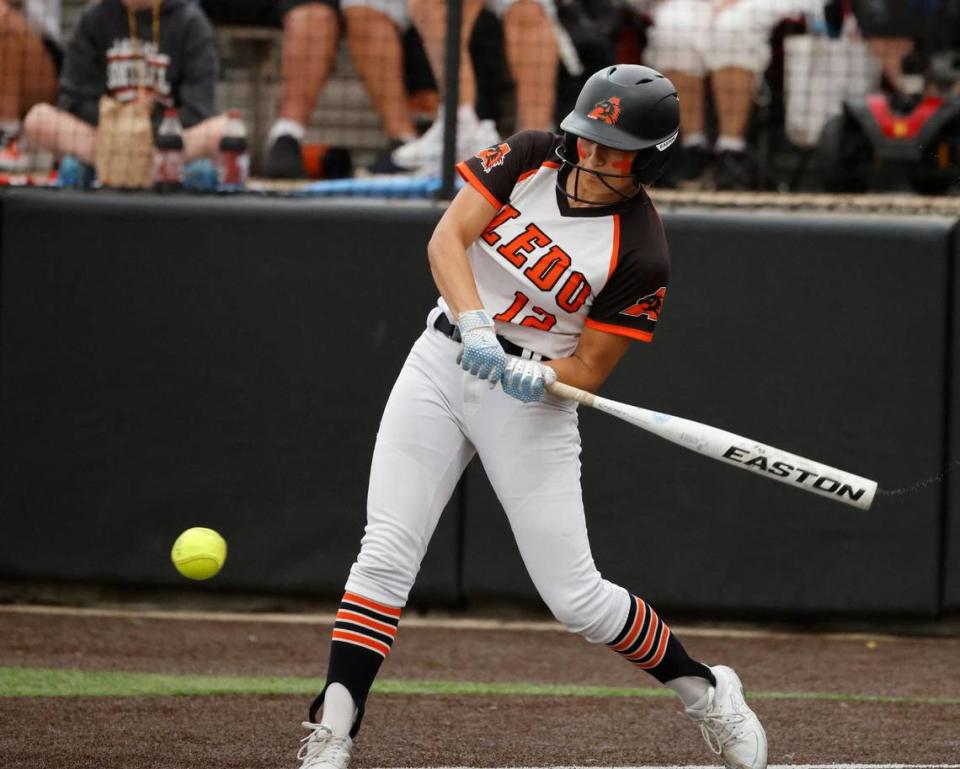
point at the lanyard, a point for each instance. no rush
(135, 38)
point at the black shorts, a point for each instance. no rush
(255, 13)
(935, 25)
(55, 52)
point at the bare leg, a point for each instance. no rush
(27, 74)
(733, 92)
(203, 139)
(533, 55)
(377, 54)
(310, 35)
(430, 18)
(12, 60)
(890, 52)
(60, 132)
(39, 82)
(690, 91)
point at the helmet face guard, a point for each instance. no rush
(625, 107)
(646, 167)
(570, 147)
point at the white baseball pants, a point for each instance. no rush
(437, 417)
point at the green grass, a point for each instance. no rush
(56, 682)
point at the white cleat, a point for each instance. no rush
(732, 731)
(322, 750)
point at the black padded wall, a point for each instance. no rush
(224, 362)
(951, 576)
(178, 362)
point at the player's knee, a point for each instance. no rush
(585, 612)
(388, 562)
(37, 122)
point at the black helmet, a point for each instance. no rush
(627, 107)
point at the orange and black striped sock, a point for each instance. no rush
(363, 634)
(647, 642)
(367, 624)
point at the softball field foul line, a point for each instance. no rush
(413, 622)
(711, 766)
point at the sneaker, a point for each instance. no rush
(735, 171)
(285, 159)
(321, 750)
(12, 158)
(425, 154)
(486, 135)
(687, 168)
(732, 731)
(75, 174)
(383, 162)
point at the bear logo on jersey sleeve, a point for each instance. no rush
(491, 157)
(649, 305)
(606, 111)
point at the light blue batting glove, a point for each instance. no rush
(481, 354)
(526, 380)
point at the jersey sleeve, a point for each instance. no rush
(494, 171)
(631, 301)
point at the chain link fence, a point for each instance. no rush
(381, 97)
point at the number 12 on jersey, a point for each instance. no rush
(537, 318)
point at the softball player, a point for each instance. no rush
(549, 263)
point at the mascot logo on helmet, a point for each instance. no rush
(606, 111)
(491, 157)
(649, 305)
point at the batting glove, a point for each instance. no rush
(482, 354)
(526, 380)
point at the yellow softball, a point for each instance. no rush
(199, 553)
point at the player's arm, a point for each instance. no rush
(626, 309)
(461, 224)
(491, 176)
(595, 358)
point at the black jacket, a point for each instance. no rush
(98, 60)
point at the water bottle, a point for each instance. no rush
(168, 154)
(817, 25)
(234, 161)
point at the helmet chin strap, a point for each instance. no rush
(577, 169)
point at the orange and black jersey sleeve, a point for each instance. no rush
(632, 299)
(495, 171)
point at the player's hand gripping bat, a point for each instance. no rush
(735, 450)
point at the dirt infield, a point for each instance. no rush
(791, 674)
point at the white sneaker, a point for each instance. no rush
(13, 159)
(322, 750)
(485, 136)
(425, 154)
(730, 728)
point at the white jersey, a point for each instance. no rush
(544, 269)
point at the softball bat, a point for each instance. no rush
(735, 450)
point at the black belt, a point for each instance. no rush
(445, 327)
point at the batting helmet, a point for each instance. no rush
(627, 107)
